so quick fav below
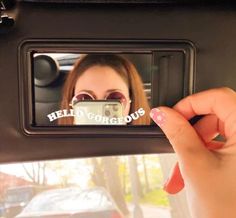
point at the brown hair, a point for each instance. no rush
(123, 67)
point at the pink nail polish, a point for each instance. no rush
(158, 116)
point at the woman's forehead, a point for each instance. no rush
(100, 78)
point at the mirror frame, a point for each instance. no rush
(29, 47)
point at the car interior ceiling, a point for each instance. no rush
(208, 27)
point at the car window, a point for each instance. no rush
(128, 185)
(17, 196)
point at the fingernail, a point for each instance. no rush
(158, 116)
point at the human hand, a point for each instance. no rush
(208, 167)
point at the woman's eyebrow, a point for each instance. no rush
(88, 91)
(113, 90)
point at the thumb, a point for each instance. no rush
(182, 136)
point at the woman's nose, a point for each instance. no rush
(100, 96)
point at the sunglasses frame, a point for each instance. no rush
(94, 98)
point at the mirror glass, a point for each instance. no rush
(92, 89)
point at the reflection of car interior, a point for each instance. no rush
(50, 71)
(49, 78)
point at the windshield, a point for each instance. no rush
(131, 186)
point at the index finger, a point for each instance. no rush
(219, 101)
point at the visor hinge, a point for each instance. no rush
(5, 20)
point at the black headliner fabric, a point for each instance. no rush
(131, 1)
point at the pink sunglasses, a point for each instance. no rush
(83, 96)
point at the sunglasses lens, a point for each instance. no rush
(117, 96)
(112, 96)
(81, 97)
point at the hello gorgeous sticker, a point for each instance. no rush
(97, 118)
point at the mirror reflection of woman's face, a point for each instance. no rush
(100, 81)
